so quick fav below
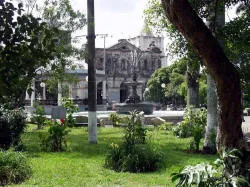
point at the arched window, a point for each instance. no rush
(123, 65)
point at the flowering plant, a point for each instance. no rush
(62, 121)
(57, 136)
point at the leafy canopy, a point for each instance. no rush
(26, 44)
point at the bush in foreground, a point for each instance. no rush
(133, 154)
(12, 125)
(14, 167)
(224, 172)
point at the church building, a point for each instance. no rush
(114, 67)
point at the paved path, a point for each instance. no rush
(245, 124)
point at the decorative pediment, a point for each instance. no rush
(123, 45)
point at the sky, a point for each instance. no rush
(117, 18)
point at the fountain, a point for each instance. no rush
(133, 101)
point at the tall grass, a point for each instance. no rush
(14, 167)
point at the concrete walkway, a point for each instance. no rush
(169, 114)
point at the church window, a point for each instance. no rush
(123, 65)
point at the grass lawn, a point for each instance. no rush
(82, 164)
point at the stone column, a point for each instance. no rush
(32, 98)
(59, 96)
(104, 91)
(44, 92)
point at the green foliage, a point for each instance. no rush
(39, 115)
(135, 133)
(168, 126)
(143, 158)
(203, 90)
(193, 125)
(61, 14)
(166, 75)
(26, 44)
(154, 91)
(115, 119)
(83, 165)
(224, 172)
(14, 167)
(12, 125)
(70, 107)
(172, 89)
(133, 154)
(235, 34)
(183, 129)
(56, 138)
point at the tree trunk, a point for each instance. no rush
(181, 14)
(92, 119)
(215, 20)
(212, 117)
(192, 87)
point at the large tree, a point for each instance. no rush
(185, 19)
(26, 44)
(57, 15)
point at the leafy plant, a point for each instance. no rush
(26, 44)
(14, 167)
(134, 132)
(12, 125)
(57, 136)
(39, 115)
(70, 107)
(193, 125)
(224, 172)
(168, 126)
(114, 157)
(183, 129)
(133, 154)
(115, 119)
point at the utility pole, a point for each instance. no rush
(104, 88)
(92, 119)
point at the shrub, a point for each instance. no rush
(114, 157)
(12, 125)
(133, 154)
(193, 125)
(183, 129)
(56, 138)
(70, 107)
(14, 167)
(142, 159)
(167, 126)
(134, 132)
(39, 115)
(224, 172)
(115, 119)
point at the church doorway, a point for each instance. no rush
(99, 93)
(123, 92)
